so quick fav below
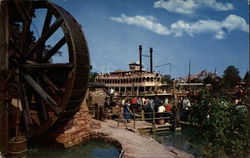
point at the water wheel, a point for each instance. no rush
(48, 66)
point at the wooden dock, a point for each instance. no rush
(148, 128)
(155, 129)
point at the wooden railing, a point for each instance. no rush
(153, 117)
(98, 112)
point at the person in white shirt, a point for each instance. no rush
(123, 101)
(161, 108)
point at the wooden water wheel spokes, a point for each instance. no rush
(51, 69)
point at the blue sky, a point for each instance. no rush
(208, 33)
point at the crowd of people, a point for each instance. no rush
(129, 105)
(150, 107)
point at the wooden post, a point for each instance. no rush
(177, 117)
(132, 89)
(4, 39)
(134, 116)
(97, 111)
(189, 81)
(4, 32)
(154, 130)
(174, 107)
(3, 124)
(142, 115)
(248, 105)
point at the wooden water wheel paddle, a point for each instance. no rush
(48, 65)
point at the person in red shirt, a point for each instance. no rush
(168, 108)
(133, 103)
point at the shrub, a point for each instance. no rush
(221, 125)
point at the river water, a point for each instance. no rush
(90, 149)
(181, 140)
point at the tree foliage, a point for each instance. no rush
(231, 77)
(166, 78)
(222, 125)
(92, 76)
(215, 81)
(247, 78)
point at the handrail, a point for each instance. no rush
(153, 119)
(139, 116)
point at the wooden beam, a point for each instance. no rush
(24, 33)
(55, 49)
(39, 90)
(44, 37)
(49, 65)
(47, 22)
(4, 32)
(45, 115)
(3, 123)
(51, 84)
(46, 26)
(22, 10)
(25, 104)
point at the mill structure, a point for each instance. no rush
(37, 90)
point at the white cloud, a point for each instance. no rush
(233, 22)
(219, 35)
(148, 22)
(178, 6)
(190, 6)
(180, 28)
(230, 23)
(201, 26)
(217, 5)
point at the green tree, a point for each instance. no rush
(166, 78)
(215, 81)
(222, 126)
(247, 78)
(231, 77)
(92, 76)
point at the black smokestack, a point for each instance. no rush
(151, 59)
(140, 57)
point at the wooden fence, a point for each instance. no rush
(157, 119)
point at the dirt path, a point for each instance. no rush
(135, 145)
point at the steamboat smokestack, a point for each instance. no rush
(151, 59)
(140, 57)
